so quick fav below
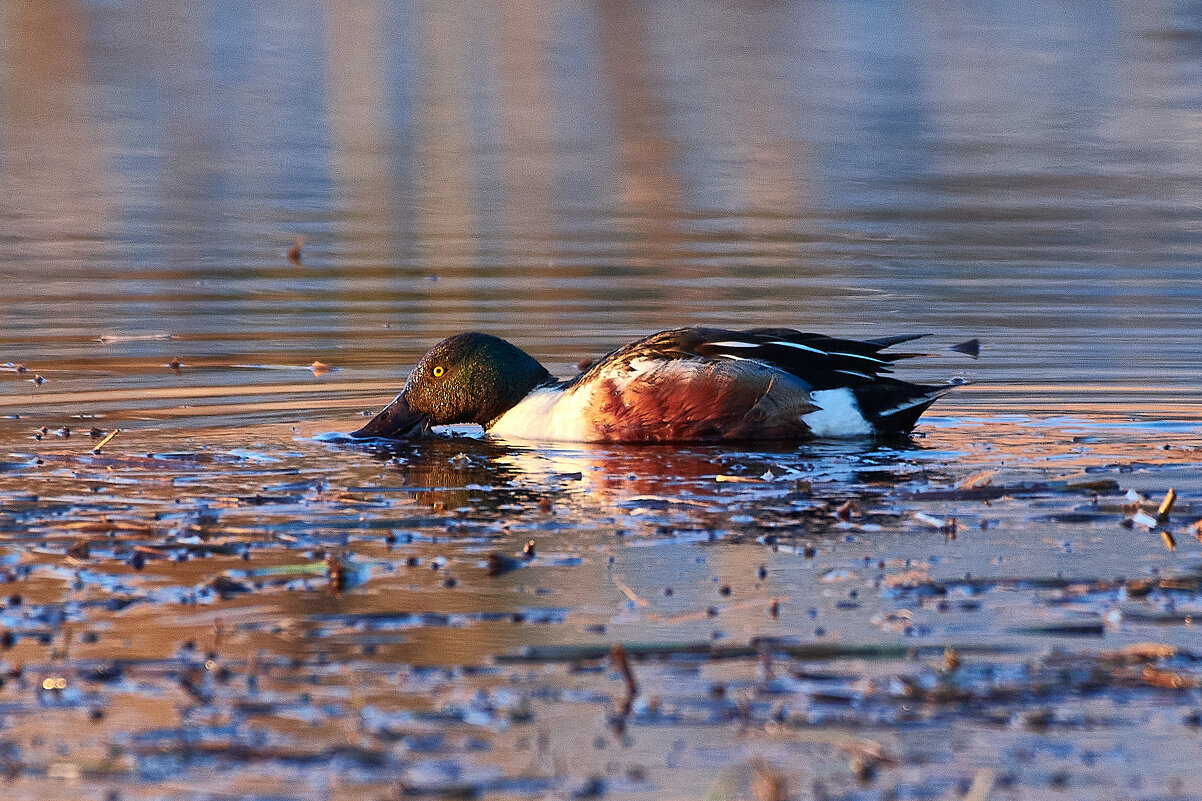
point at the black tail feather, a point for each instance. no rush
(888, 342)
(971, 347)
(893, 406)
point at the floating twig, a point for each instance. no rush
(1166, 506)
(337, 574)
(976, 480)
(107, 439)
(944, 526)
(982, 784)
(629, 593)
(622, 663)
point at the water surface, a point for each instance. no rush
(239, 607)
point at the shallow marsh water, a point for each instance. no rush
(227, 602)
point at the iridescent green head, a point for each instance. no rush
(468, 378)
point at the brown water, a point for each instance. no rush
(225, 602)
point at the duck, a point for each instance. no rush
(685, 385)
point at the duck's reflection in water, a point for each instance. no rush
(464, 470)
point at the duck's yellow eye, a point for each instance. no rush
(438, 371)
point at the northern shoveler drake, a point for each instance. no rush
(683, 385)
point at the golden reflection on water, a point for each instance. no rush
(357, 114)
(572, 175)
(53, 158)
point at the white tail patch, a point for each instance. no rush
(838, 415)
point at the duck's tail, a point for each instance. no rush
(893, 407)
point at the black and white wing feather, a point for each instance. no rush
(822, 362)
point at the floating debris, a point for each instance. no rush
(1166, 506)
(846, 510)
(500, 564)
(337, 574)
(982, 785)
(111, 338)
(991, 491)
(1142, 518)
(629, 593)
(767, 782)
(294, 253)
(946, 526)
(229, 569)
(1088, 629)
(977, 480)
(107, 439)
(618, 655)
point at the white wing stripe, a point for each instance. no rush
(860, 356)
(797, 345)
(907, 405)
(733, 343)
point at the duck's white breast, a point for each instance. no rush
(549, 415)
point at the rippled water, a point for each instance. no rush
(571, 176)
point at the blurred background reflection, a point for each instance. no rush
(571, 174)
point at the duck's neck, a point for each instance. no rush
(515, 377)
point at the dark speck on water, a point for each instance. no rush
(229, 230)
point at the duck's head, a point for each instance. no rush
(468, 378)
